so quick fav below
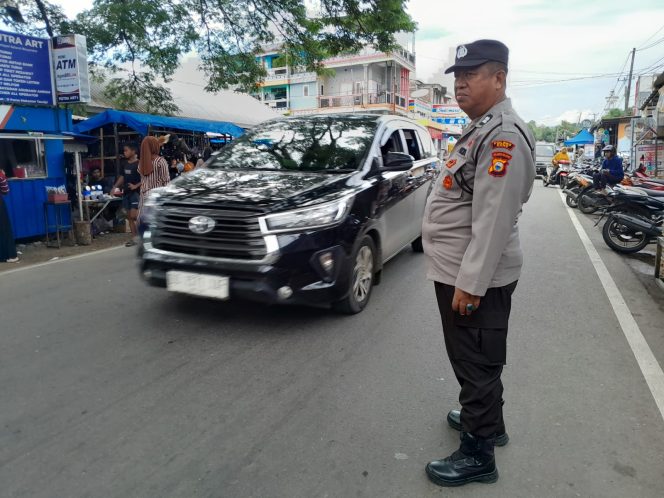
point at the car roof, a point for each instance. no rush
(346, 116)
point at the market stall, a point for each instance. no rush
(32, 155)
(114, 128)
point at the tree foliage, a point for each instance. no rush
(554, 133)
(614, 113)
(139, 43)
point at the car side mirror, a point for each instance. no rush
(397, 161)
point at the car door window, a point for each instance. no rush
(427, 145)
(413, 144)
(393, 144)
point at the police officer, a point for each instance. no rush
(472, 245)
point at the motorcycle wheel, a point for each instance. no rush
(571, 202)
(585, 201)
(622, 239)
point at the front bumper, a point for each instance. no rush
(294, 265)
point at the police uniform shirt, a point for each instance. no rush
(469, 231)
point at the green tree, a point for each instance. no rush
(139, 43)
(41, 18)
(554, 133)
(614, 113)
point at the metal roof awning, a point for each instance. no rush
(142, 123)
(34, 136)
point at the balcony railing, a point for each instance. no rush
(359, 99)
(280, 73)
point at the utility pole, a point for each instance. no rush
(629, 81)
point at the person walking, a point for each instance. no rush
(153, 169)
(130, 181)
(8, 252)
(474, 256)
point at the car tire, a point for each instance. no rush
(361, 278)
(416, 245)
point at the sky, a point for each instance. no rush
(585, 43)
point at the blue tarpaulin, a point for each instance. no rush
(582, 138)
(141, 122)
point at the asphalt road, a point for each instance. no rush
(114, 389)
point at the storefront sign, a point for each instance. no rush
(25, 69)
(453, 121)
(70, 64)
(645, 157)
(447, 109)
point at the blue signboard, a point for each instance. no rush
(451, 121)
(25, 69)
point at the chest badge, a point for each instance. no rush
(448, 183)
(499, 163)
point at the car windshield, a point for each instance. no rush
(321, 143)
(545, 150)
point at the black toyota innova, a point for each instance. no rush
(298, 210)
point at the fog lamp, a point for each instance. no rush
(284, 292)
(326, 261)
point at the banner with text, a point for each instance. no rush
(70, 62)
(25, 69)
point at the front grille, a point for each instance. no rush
(236, 234)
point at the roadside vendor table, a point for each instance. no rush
(99, 205)
(61, 223)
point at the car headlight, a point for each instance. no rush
(151, 205)
(320, 216)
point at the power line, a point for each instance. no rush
(654, 44)
(650, 38)
(533, 83)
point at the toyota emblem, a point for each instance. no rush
(201, 224)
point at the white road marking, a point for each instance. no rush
(646, 360)
(60, 260)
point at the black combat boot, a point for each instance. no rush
(472, 462)
(454, 421)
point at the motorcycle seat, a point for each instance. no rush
(651, 193)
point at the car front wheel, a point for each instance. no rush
(361, 278)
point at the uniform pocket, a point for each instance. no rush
(483, 346)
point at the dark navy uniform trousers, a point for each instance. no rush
(477, 348)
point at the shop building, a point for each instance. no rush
(367, 81)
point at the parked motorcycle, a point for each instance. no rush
(635, 219)
(578, 179)
(628, 234)
(591, 199)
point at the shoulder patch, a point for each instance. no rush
(499, 162)
(451, 163)
(485, 120)
(502, 144)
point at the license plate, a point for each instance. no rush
(198, 284)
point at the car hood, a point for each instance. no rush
(255, 187)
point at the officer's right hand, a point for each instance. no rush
(462, 299)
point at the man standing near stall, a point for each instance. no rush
(472, 245)
(131, 183)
